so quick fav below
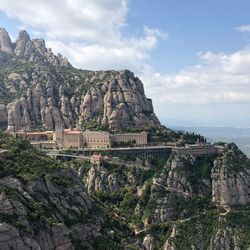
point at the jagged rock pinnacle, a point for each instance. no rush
(21, 43)
(110, 99)
(5, 42)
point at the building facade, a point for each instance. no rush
(58, 136)
(198, 150)
(138, 138)
(73, 138)
(96, 139)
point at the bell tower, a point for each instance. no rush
(59, 135)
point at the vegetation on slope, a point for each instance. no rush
(50, 195)
(123, 212)
(198, 220)
(22, 160)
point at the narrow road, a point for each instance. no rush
(3, 151)
(70, 156)
(173, 189)
(227, 210)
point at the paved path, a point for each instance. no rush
(227, 210)
(3, 151)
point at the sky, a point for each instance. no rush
(192, 56)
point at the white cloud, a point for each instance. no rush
(124, 53)
(90, 20)
(243, 28)
(215, 92)
(88, 32)
(219, 78)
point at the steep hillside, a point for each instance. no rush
(44, 205)
(179, 202)
(41, 90)
(172, 203)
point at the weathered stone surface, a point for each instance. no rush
(64, 205)
(231, 178)
(225, 239)
(5, 42)
(170, 244)
(148, 242)
(171, 184)
(113, 109)
(21, 43)
(99, 179)
(10, 239)
(50, 95)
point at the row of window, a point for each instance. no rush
(102, 141)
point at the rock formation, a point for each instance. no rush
(45, 90)
(5, 42)
(181, 206)
(25, 207)
(231, 178)
(44, 205)
(170, 185)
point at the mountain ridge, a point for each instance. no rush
(40, 90)
(25, 49)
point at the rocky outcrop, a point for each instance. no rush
(147, 206)
(27, 50)
(148, 242)
(175, 207)
(231, 178)
(172, 184)
(44, 205)
(22, 43)
(98, 178)
(158, 205)
(51, 95)
(45, 214)
(55, 103)
(106, 180)
(5, 42)
(10, 238)
(226, 239)
(170, 244)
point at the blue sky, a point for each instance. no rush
(193, 56)
(192, 26)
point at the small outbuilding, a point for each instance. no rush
(96, 159)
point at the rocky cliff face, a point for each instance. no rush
(44, 205)
(104, 179)
(41, 90)
(5, 42)
(177, 205)
(231, 178)
(44, 213)
(170, 186)
(26, 50)
(165, 204)
(177, 202)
